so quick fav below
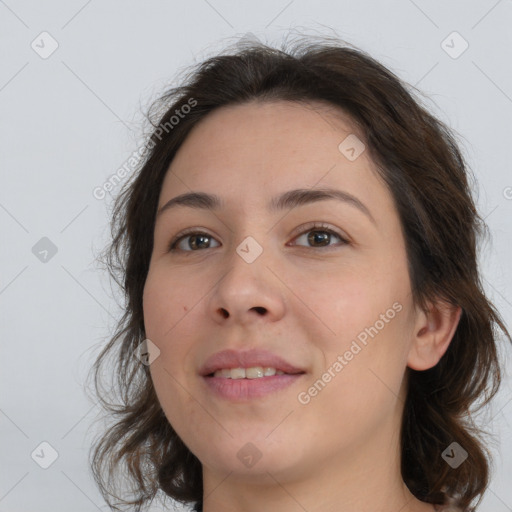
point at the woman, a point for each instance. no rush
(298, 253)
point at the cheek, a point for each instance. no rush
(164, 317)
(167, 370)
(167, 324)
(178, 405)
(359, 385)
(362, 332)
(344, 306)
(163, 307)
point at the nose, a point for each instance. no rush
(247, 292)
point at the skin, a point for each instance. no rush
(304, 302)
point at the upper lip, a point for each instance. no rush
(246, 359)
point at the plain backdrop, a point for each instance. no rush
(75, 79)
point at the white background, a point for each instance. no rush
(69, 121)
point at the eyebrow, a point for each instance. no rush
(286, 200)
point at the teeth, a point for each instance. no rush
(255, 372)
(237, 373)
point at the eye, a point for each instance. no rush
(196, 240)
(319, 235)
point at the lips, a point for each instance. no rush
(247, 359)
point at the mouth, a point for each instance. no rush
(244, 389)
(243, 376)
(250, 364)
(253, 372)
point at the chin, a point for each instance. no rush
(253, 459)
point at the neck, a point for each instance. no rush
(365, 479)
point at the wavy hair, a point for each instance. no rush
(418, 157)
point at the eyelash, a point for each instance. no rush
(314, 226)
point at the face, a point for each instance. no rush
(321, 283)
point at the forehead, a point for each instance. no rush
(251, 151)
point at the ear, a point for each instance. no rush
(433, 332)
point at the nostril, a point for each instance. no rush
(260, 309)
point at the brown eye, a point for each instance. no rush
(318, 236)
(191, 242)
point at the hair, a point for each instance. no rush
(418, 158)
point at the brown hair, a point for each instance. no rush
(417, 156)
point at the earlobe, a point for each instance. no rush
(433, 333)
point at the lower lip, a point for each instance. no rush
(246, 389)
